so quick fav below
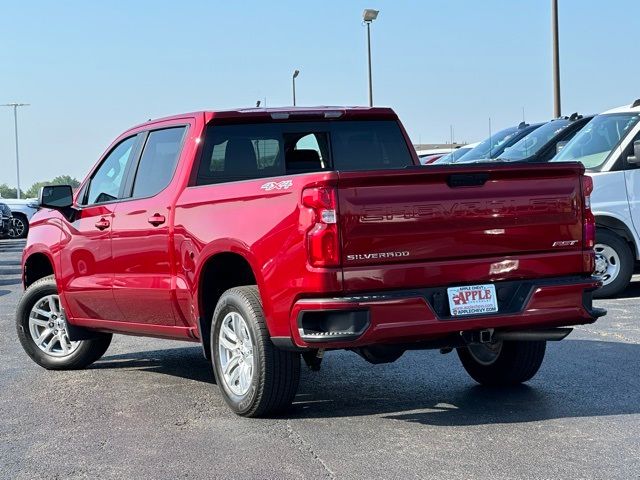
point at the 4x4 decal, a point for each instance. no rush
(283, 185)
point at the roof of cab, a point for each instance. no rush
(242, 115)
(632, 108)
(299, 113)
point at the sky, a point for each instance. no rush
(91, 70)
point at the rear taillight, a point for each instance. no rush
(589, 221)
(589, 227)
(323, 241)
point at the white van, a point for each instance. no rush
(609, 148)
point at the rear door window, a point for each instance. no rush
(158, 161)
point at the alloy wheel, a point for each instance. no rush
(16, 227)
(235, 352)
(48, 328)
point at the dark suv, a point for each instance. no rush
(5, 219)
(492, 147)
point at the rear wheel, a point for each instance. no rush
(255, 377)
(42, 331)
(502, 363)
(614, 263)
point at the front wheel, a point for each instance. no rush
(255, 377)
(502, 363)
(42, 331)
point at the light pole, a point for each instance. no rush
(556, 58)
(295, 75)
(369, 15)
(15, 127)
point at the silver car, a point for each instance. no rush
(22, 210)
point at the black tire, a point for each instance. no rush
(517, 362)
(22, 219)
(276, 373)
(622, 249)
(87, 352)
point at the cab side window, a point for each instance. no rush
(105, 184)
(158, 162)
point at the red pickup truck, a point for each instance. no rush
(268, 235)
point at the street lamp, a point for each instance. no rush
(556, 58)
(369, 15)
(15, 126)
(295, 75)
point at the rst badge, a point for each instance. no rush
(472, 300)
(564, 243)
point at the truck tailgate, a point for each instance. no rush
(443, 221)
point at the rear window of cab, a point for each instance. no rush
(249, 151)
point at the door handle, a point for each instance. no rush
(102, 224)
(156, 219)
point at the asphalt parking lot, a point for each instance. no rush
(150, 409)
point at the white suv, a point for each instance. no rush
(609, 148)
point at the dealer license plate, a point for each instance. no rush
(472, 300)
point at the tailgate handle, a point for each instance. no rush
(467, 179)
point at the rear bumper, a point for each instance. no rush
(423, 314)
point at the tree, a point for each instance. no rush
(34, 190)
(8, 192)
(66, 180)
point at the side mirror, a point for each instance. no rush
(56, 196)
(560, 145)
(635, 158)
